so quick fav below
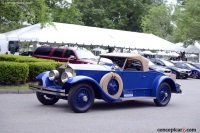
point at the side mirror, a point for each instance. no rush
(72, 57)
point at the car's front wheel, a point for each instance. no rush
(81, 98)
(46, 99)
(195, 74)
(163, 95)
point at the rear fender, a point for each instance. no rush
(161, 79)
(99, 92)
(44, 77)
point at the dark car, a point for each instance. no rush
(27, 53)
(195, 71)
(196, 65)
(162, 69)
(80, 84)
(180, 73)
(71, 55)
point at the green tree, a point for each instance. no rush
(14, 13)
(187, 22)
(115, 14)
(64, 12)
(158, 21)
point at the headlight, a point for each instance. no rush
(65, 76)
(53, 74)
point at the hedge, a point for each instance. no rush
(39, 67)
(34, 67)
(15, 58)
(12, 73)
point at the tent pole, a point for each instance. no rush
(199, 57)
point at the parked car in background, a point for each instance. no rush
(196, 65)
(71, 55)
(127, 78)
(180, 73)
(195, 71)
(27, 53)
(158, 68)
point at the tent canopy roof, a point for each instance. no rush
(77, 34)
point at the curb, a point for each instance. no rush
(16, 91)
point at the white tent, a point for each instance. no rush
(179, 47)
(147, 52)
(76, 34)
(194, 49)
(3, 44)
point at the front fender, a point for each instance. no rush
(160, 79)
(45, 79)
(95, 85)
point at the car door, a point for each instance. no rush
(136, 78)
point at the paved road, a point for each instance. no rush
(22, 113)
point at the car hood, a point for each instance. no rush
(159, 68)
(195, 69)
(178, 69)
(90, 61)
(86, 67)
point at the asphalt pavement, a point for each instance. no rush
(22, 113)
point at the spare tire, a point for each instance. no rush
(112, 84)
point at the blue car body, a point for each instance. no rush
(110, 82)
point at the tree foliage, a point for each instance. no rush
(158, 21)
(14, 13)
(115, 14)
(187, 21)
(64, 12)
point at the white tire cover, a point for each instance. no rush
(105, 80)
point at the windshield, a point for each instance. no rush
(198, 65)
(167, 63)
(84, 54)
(151, 63)
(119, 61)
(105, 60)
(191, 66)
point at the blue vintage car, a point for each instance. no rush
(121, 76)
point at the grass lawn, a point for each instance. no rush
(15, 87)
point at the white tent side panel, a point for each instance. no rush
(3, 44)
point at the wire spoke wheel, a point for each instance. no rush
(81, 98)
(163, 95)
(113, 87)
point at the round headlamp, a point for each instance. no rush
(53, 74)
(65, 76)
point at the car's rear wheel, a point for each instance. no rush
(195, 74)
(46, 99)
(163, 95)
(81, 98)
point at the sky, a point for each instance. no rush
(171, 1)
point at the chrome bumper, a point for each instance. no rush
(46, 90)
